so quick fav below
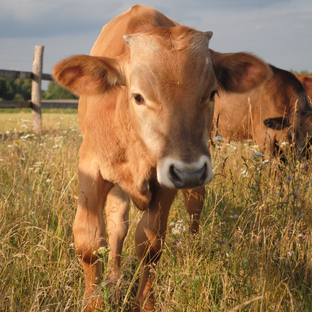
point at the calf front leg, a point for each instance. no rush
(89, 227)
(117, 220)
(149, 239)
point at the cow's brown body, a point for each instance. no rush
(306, 81)
(268, 114)
(145, 111)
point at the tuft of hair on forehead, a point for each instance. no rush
(173, 38)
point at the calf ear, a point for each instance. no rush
(84, 74)
(239, 72)
(277, 123)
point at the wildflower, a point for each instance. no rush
(233, 280)
(10, 145)
(257, 154)
(309, 181)
(56, 146)
(244, 173)
(1, 159)
(289, 253)
(22, 158)
(72, 245)
(301, 216)
(281, 194)
(58, 123)
(103, 251)
(39, 162)
(179, 227)
(287, 182)
(283, 144)
(235, 216)
(300, 235)
(25, 136)
(289, 177)
(49, 180)
(218, 138)
(179, 244)
(297, 193)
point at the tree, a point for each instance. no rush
(55, 92)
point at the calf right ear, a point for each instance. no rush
(87, 75)
(278, 123)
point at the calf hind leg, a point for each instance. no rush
(194, 202)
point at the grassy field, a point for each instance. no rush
(253, 252)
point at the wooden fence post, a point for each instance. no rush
(36, 89)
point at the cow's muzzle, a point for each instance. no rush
(182, 179)
(180, 175)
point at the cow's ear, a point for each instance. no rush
(239, 72)
(84, 74)
(278, 123)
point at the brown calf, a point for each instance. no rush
(306, 81)
(276, 111)
(146, 98)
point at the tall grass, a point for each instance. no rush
(253, 251)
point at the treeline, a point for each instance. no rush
(303, 72)
(20, 90)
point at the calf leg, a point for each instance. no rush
(89, 226)
(149, 239)
(194, 202)
(117, 218)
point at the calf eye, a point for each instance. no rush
(212, 95)
(139, 98)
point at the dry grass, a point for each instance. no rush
(253, 252)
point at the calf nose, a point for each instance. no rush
(186, 179)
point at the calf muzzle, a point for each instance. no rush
(186, 179)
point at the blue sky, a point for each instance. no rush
(279, 31)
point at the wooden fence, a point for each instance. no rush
(35, 103)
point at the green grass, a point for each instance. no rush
(253, 252)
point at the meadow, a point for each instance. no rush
(253, 251)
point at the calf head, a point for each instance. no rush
(298, 125)
(171, 78)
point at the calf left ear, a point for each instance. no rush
(278, 123)
(239, 72)
(84, 74)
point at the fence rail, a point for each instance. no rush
(35, 103)
(44, 104)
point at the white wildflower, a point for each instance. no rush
(56, 146)
(49, 180)
(179, 227)
(25, 136)
(218, 138)
(284, 144)
(244, 173)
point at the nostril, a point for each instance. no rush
(204, 175)
(175, 178)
